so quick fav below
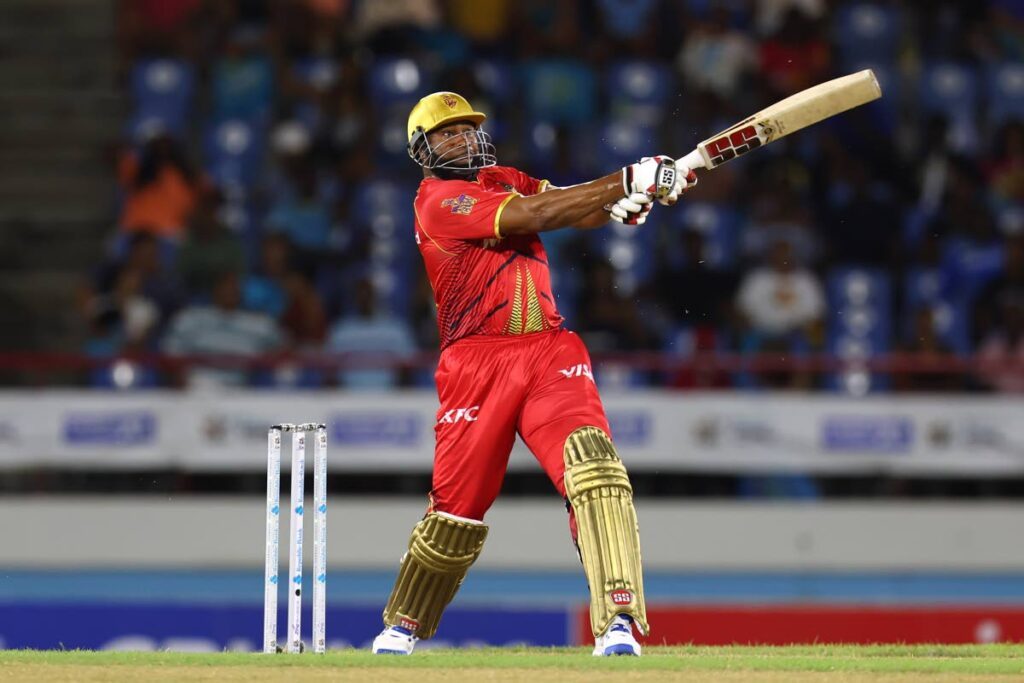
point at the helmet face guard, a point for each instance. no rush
(460, 155)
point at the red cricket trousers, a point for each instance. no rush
(538, 385)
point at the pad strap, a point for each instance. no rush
(442, 548)
(598, 489)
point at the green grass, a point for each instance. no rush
(884, 659)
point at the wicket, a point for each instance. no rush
(273, 519)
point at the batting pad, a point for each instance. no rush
(608, 536)
(442, 548)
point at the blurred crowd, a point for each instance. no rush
(265, 194)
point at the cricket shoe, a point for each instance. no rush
(618, 639)
(394, 640)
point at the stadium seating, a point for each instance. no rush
(234, 151)
(868, 32)
(858, 324)
(163, 91)
(1005, 92)
(243, 89)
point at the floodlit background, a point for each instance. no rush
(813, 365)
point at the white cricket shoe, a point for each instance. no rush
(618, 639)
(394, 640)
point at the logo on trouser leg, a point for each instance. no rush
(578, 370)
(408, 624)
(621, 597)
(459, 415)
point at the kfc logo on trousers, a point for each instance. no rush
(456, 414)
(578, 370)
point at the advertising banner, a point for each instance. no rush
(655, 431)
(215, 628)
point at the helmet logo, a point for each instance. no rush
(450, 101)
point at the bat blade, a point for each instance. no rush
(794, 113)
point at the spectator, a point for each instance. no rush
(716, 57)
(692, 292)
(782, 305)
(209, 250)
(265, 289)
(1002, 350)
(304, 319)
(796, 56)
(1006, 175)
(370, 331)
(304, 218)
(221, 328)
(610, 319)
(124, 318)
(925, 343)
(161, 188)
(145, 257)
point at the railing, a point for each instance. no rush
(53, 368)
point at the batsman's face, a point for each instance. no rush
(454, 142)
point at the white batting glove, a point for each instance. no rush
(685, 179)
(631, 210)
(654, 176)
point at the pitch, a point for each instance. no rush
(844, 663)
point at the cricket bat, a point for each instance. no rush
(798, 111)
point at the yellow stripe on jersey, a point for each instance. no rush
(535, 321)
(515, 319)
(497, 214)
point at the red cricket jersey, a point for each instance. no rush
(483, 283)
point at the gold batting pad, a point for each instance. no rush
(608, 535)
(441, 551)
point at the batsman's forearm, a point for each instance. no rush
(595, 219)
(560, 207)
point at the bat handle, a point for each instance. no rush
(692, 160)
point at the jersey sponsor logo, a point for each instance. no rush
(621, 597)
(462, 205)
(460, 415)
(578, 370)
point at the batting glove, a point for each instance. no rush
(685, 179)
(631, 210)
(654, 176)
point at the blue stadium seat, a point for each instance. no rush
(243, 89)
(397, 83)
(162, 90)
(320, 73)
(623, 142)
(868, 31)
(233, 153)
(952, 90)
(859, 323)
(393, 139)
(1005, 90)
(559, 90)
(923, 287)
(497, 80)
(639, 90)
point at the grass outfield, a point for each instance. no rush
(758, 664)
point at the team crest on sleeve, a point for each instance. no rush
(463, 204)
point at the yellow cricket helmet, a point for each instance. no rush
(439, 108)
(460, 156)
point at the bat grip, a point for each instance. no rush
(692, 160)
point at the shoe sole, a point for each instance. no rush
(390, 652)
(619, 650)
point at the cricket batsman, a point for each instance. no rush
(507, 366)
